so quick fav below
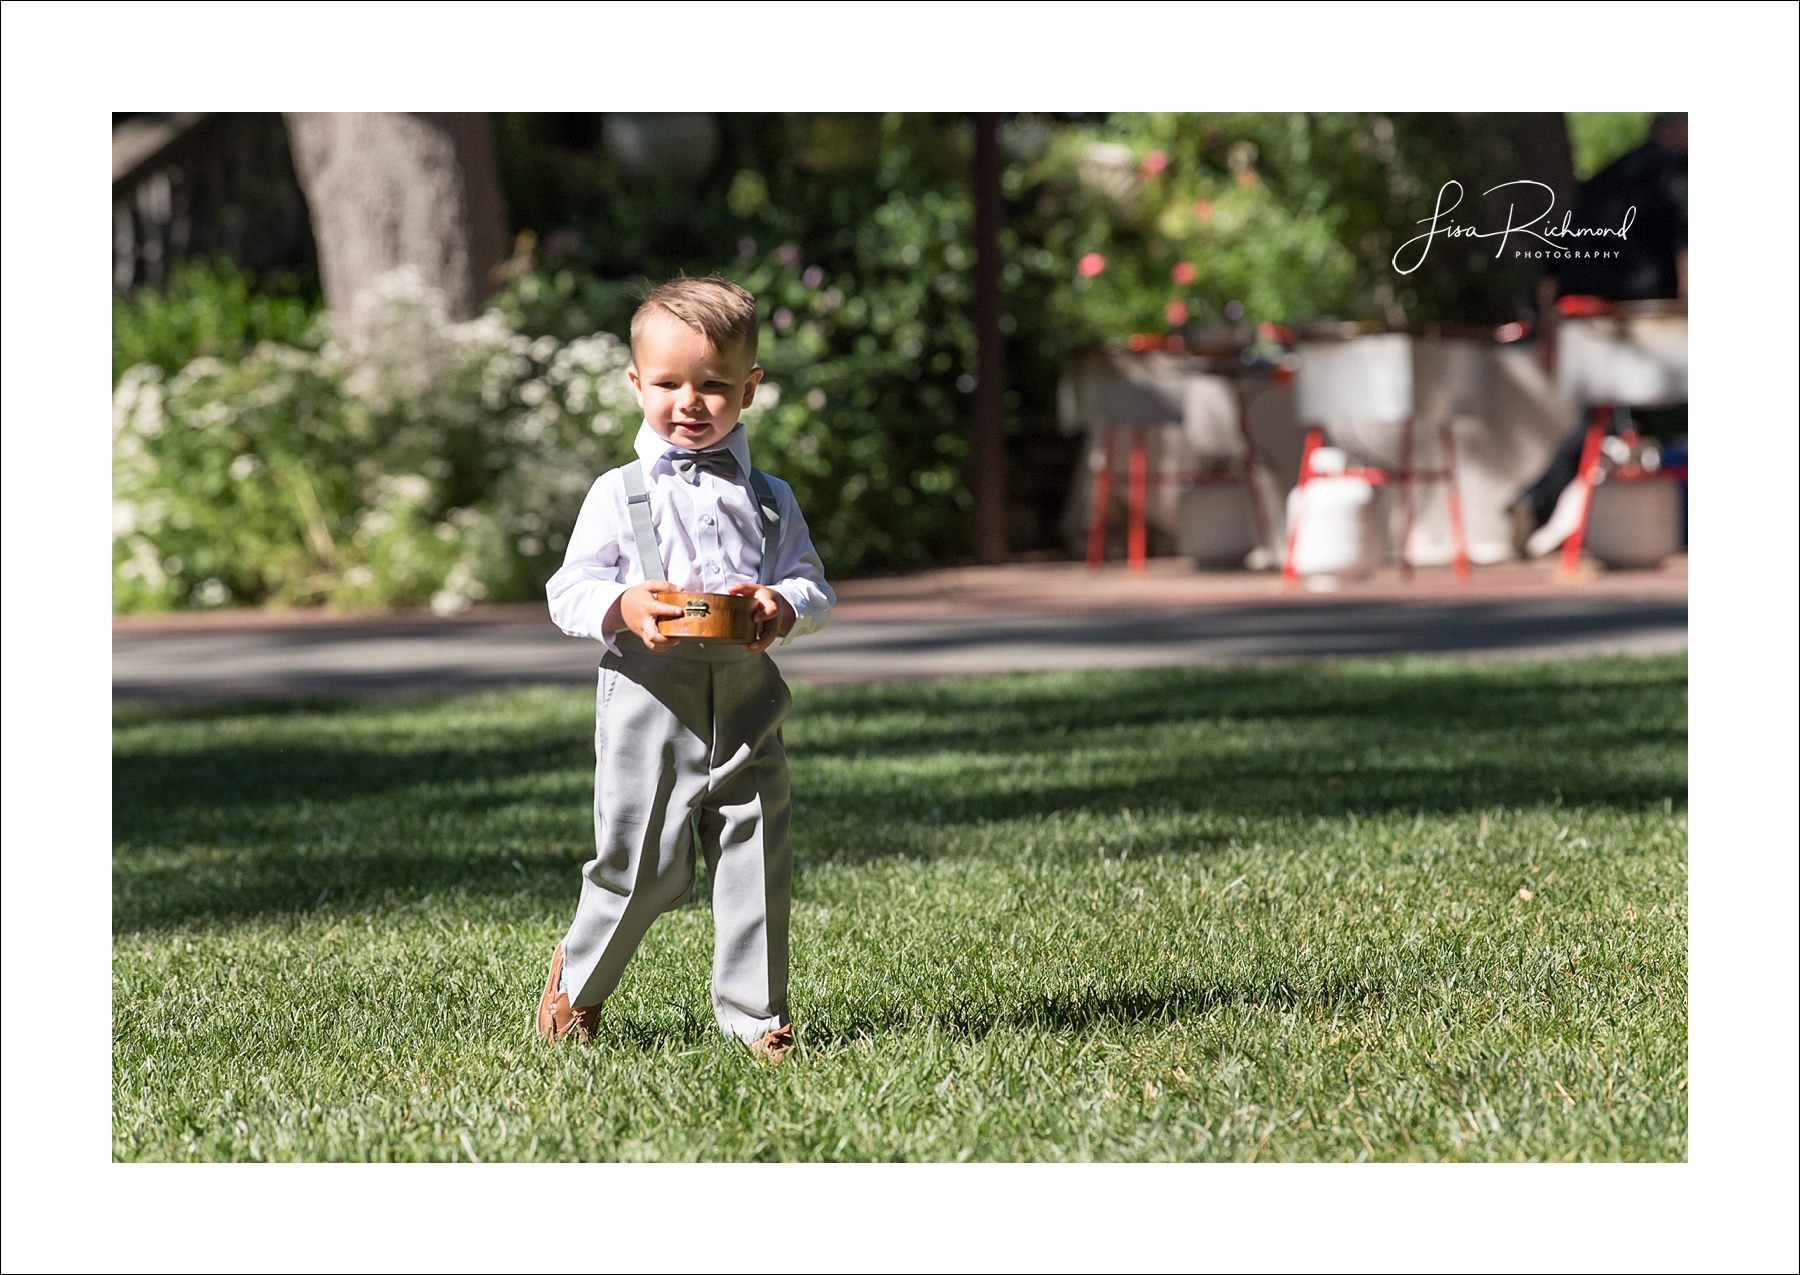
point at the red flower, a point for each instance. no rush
(1183, 272)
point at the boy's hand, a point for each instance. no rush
(774, 614)
(638, 611)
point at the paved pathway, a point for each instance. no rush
(963, 621)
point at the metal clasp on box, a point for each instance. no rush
(696, 606)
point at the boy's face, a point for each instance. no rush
(691, 393)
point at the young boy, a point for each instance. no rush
(687, 736)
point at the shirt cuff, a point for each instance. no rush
(609, 640)
(587, 616)
(810, 611)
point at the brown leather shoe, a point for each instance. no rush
(556, 1018)
(775, 1045)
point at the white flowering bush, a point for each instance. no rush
(433, 462)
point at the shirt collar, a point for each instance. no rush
(652, 448)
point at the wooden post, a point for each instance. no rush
(1137, 497)
(990, 368)
(1099, 498)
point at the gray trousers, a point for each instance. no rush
(686, 741)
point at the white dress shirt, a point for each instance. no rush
(709, 532)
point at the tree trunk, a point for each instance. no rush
(1541, 139)
(391, 190)
(990, 367)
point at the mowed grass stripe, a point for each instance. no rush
(1412, 909)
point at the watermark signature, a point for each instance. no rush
(1563, 240)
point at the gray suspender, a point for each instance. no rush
(643, 531)
(771, 524)
(637, 502)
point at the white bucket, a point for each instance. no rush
(1339, 523)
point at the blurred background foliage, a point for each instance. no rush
(437, 462)
(1597, 138)
(854, 232)
(210, 308)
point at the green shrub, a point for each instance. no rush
(207, 308)
(442, 462)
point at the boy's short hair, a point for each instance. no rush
(715, 307)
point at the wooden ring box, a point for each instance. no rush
(709, 617)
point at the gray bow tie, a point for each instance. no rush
(689, 464)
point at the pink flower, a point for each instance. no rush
(813, 277)
(1183, 272)
(1091, 265)
(1176, 313)
(1203, 210)
(1153, 164)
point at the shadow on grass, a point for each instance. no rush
(1078, 1012)
(251, 884)
(150, 714)
(1022, 715)
(292, 815)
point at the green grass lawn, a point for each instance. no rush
(1407, 910)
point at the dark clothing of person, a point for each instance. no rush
(1652, 179)
(1544, 493)
(1547, 490)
